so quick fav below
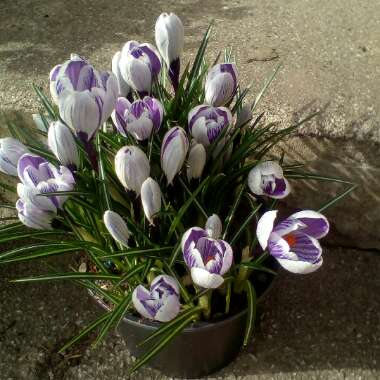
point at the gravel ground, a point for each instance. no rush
(322, 326)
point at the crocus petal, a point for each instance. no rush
(169, 309)
(123, 86)
(132, 167)
(227, 257)
(316, 224)
(196, 161)
(265, 227)
(117, 227)
(151, 198)
(191, 237)
(139, 295)
(205, 279)
(193, 258)
(166, 282)
(300, 267)
(62, 143)
(214, 226)
(11, 150)
(173, 152)
(82, 112)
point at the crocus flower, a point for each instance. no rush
(294, 241)
(85, 97)
(196, 161)
(151, 198)
(132, 167)
(169, 35)
(139, 65)
(161, 302)
(10, 152)
(34, 217)
(116, 227)
(62, 143)
(267, 178)
(139, 118)
(39, 123)
(221, 84)
(208, 259)
(173, 152)
(123, 86)
(39, 176)
(207, 122)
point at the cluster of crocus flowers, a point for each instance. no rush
(37, 177)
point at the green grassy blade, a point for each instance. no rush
(132, 272)
(244, 224)
(258, 267)
(184, 208)
(68, 276)
(337, 198)
(117, 315)
(174, 255)
(7, 188)
(92, 326)
(169, 325)
(266, 85)
(45, 102)
(156, 348)
(200, 208)
(233, 210)
(251, 316)
(102, 176)
(314, 176)
(138, 252)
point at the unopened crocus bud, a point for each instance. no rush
(169, 36)
(244, 116)
(10, 152)
(207, 122)
(62, 143)
(117, 227)
(140, 118)
(151, 198)
(196, 161)
(132, 167)
(173, 152)
(214, 226)
(123, 86)
(139, 65)
(221, 84)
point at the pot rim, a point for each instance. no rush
(198, 326)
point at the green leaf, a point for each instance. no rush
(258, 267)
(337, 198)
(266, 85)
(184, 208)
(314, 176)
(69, 276)
(45, 102)
(244, 224)
(138, 252)
(233, 209)
(251, 316)
(117, 315)
(92, 326)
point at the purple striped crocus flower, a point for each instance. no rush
(38, 176)
(206, 122)
(160, 303)
(221, 84)
(208, 258)
(139, 65)
(173, 152)
(140, 118)
(294, 241)
(85, 96)
(267, 178)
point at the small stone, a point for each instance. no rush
(82, 268)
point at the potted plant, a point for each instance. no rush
(166, 186)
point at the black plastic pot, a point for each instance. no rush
(199, 350)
